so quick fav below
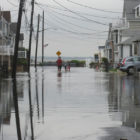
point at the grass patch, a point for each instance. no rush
(113, 70)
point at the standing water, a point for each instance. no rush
(79, 105)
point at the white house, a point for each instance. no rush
(7, 40)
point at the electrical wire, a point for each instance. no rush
(78, 14)
(92, 7)
(94, 21)
(73, 32)
(12, 3)
(52, 7)
(72, 23)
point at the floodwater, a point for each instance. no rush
(79, 105)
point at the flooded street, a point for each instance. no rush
(77, 105)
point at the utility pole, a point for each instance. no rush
(37, 40)
(17, 38)
(30, 37)
(43, 39)
(110, 38)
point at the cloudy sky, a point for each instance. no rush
(75, 27)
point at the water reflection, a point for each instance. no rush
(37, 96)
(5, 103)
(124, 97)
(31, 109)
(16, 107)
(42, 94)
(59, 81)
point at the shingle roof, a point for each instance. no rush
(128, 10)
(6, 15)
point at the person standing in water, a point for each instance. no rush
(59, 63)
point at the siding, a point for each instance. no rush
(134, 24)
(126, 51)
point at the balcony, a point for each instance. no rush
(121, 24)
(6, 50)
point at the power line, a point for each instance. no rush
(72, 23)
(97, 22)
(12, 3)
(104, 17)
(73, 32)
(78, 14)
(59, 20)
(92, 7)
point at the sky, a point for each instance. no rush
(74, 27)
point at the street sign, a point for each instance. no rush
(58, 53)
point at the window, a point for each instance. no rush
(0, 25)
(137, 10)
(131, 50)
(121, 51)
(135, 49)
(137, 58)
(130, 60)
(117, 36)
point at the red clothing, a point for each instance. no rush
(59, 62)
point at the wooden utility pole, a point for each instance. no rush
(17, 38)
(43, 39)
(30, 37)
(37, 36)
(110, 37)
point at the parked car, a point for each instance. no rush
(130, 64)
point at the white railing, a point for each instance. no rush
(121, 24)
(6, 50)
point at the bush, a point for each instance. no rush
(104, 60)
(22, 61)
(91, 64)
(78, 63)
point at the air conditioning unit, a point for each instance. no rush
(21, 54)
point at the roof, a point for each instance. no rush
(130, 40)
(128, 10)
(6, 15)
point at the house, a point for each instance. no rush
(101, 52)
(21, 52)
(6, 40)
(124, 37)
